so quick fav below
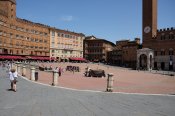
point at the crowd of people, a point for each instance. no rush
(46, 68)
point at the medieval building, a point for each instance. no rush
(158, 44)
(96, 49)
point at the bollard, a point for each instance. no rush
(15, 66)
(55, 78)
(19, 68)
(32, 74)
(110, 81)
(12, 65)
(24, 71)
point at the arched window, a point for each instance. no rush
(162, 36)
(171, 52)
(155, 53)
(167, 36)
(162, 52)
(171, 35)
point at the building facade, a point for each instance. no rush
(65, 44)
(125, 53)
(19, 36)
(114, 57)
(25, 38)
(161, 41)
(96, 49)
(129, 57)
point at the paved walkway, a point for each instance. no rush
(33, 99)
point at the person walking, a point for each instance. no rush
(56, 69)
(8, 67)
(15, 76)
(11, 79)
(59, 71)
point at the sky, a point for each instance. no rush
(112, 20)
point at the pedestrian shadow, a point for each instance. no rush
(10, 90)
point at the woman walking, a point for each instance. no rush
(15, 76)
(13, 79)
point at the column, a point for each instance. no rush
(138, 61)
(16, 67)
(148, 62)
(55, 78)
(32, 73)
(24, 71)
(19, 68)
(110, 82)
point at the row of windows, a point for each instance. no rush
(68, 41)
(125, 52)
(23, 46)
(95, 44)
(130, 47)
(167, 37)
(116, 53)
(29, 31)
(23, 29)
(170, 52)
(37, 32)
(22, 37)
(63, 46)
(95, 51)
(65, 56)
(64, 35)
(19, 44)
(70, 44)
(64, 52)
(34, 39)
(22, 52)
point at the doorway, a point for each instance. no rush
(162, 65)
(155, 65)
(171, 66)
(143, 61)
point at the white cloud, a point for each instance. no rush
(66, 18)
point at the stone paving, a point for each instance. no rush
(32, 99)
(126, 80)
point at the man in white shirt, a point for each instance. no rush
(11, 79)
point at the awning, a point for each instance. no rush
(77, 58)
(52, 58)
(40, 58)
(11, 57)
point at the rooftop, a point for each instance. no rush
(13, 1)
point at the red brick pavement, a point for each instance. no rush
(125, 80)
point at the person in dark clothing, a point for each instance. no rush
(59, 71)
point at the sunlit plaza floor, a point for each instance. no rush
(125, 80)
